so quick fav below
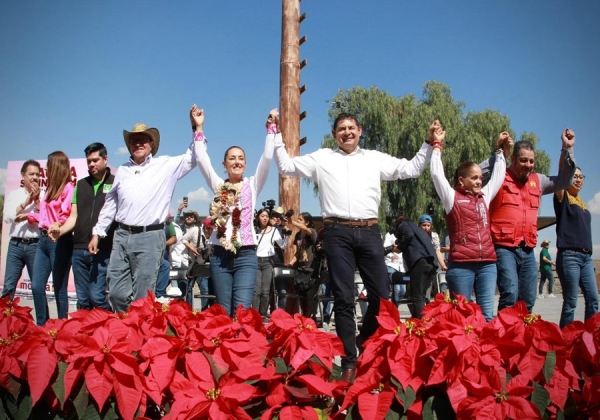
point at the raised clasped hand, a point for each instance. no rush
(436, 133)
(197, 117)
(568, 138)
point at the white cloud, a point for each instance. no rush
(122, 151)
(200, 195)
(2, 180)
(594, 204)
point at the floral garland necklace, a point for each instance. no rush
(228, 196)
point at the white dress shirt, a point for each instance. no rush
(22, 229)
(141, 194)
(350, 184)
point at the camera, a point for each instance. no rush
(289, 213)
(269, 204)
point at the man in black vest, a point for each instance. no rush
(420, 260)
(89, 270)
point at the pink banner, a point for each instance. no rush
(13, 182)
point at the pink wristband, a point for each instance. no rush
(272, 129)
(199, 136)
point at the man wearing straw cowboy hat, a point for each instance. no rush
(138, 203)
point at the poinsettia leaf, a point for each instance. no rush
(99, 381)
(375, 405)
(216, 369)
(540, 397)
(128, 392)
(81, 401)
(58, 386)
(90, 413)
(549, 365)
(316, 385)
(41, 365)
(407, 396)
(280, 366)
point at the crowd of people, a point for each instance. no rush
(116, 232)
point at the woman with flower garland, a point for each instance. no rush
(233, 262)
(472, 260)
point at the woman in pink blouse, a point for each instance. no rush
(53, 254)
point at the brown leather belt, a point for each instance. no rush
(350, 222)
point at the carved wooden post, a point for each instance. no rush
(289, 98)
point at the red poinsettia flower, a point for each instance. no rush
(441, 305)
(18, 317)
(296, 339)
(108, 368)
(496, 399)
(216, 396)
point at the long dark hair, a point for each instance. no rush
(59, 174)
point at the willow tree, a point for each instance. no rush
(398, 126)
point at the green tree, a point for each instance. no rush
(398, 126)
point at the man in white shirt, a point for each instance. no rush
(24, 236)
(139, 204)
(349, 182)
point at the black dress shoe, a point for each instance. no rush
(348, 375)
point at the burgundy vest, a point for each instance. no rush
(514, 211)
(469, 227)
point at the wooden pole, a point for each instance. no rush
(289, 102)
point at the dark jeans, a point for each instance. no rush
(347, 249)
(546, 274)
(422, 274)
(163, 279)
(89, 272)
(517, 276)
(18, 256)
(262, 288)
(55, 258)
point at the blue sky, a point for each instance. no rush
(75, 72)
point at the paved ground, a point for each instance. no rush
(549, 309)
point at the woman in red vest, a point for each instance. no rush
(472, 259)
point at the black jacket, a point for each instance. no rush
(88, 210)
(414, 243)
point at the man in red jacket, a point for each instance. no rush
(514, 213)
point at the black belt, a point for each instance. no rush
(264, 258)
(245, 247)
(25, 241)
(44, 232)
(582, 250)
(141, 229)
(351, 222)
(523, 245)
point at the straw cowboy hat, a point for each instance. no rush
(193, 213)
(545, 243)
(150, 132)
(278, 210)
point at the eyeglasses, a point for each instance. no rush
(189, 217)
(579, 177)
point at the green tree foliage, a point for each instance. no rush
(398, 126)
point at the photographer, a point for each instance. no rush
(304, 262)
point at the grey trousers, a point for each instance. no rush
(133, 267)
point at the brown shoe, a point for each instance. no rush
(348, 375)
